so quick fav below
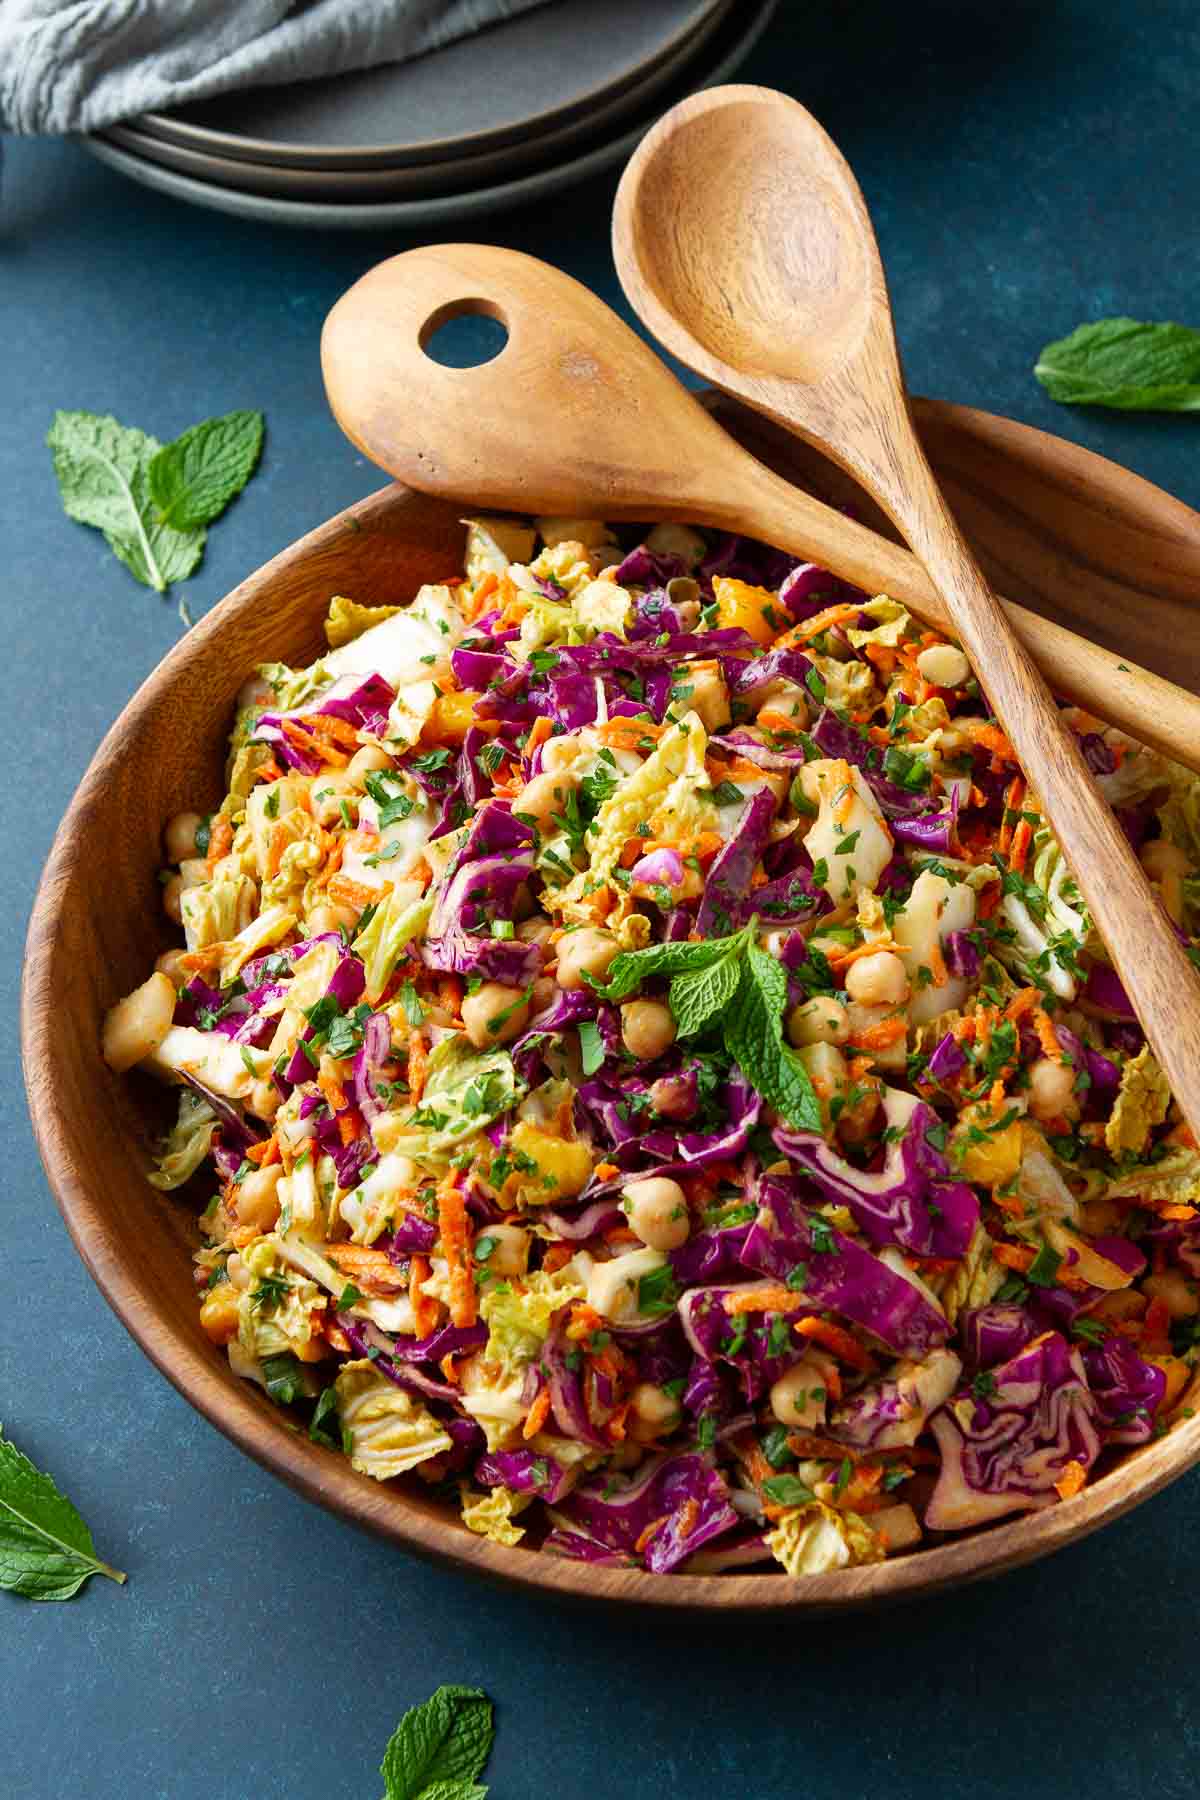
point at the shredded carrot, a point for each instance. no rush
(450, 994)
(483, 592)
(773, 1297)
(264, 1153)
(373, 1268)
(841, 614)
(1157, 1323)
(840, 958)
(1022, 839)
(652, 1528)
(194, 962)
(1047, 1036)
(1177, 1212)
(538, 1413)
(332, 1332)
(882, 1033)
(1013, 1256)
(344, 892)
(277, 843)
(823, 1331)
(780, 723)
(315, 746)
(882, 656)
(333, 863)
(689, 1512)
(604, 1171)
(584, 1320)
(220, 839)
(268, 771)
(455, 1232)
(988, 903)
(990, 737)
(937, 964)
(616, 1424)
(1021, 1003)
(418, 1065)
(628, 734)
(325, 725)
(1072, 1480)
(424, 1306)
(541, 729)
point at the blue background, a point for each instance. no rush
(1029, 166)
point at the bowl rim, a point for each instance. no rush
(325, 1476)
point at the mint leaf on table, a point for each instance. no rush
(193, 479)
(754, 1038)
(439, 1748)
(46, 1550)
(1129, 364)
(103, 478)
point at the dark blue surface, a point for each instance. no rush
(1028, 166)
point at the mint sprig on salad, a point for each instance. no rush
(728, 978)
(153, 501)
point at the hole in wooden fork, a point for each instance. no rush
(463, 334)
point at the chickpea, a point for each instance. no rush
(534, 931)
(878, 980)
(1125, 1303)
(559, 753)
(1173, 1288)
(647, 1028)
(494, 1013)
(545, 992)
(327, 794)
(657, 1211)
(509, 1254)
(371, 756)
(219, 1313)
(265, 1100)
(237, 1272)
(137, 1025)
(172, 896)
(788, 698)
(798, 1397)
(544, 798)
(325, 918)
(256, 1200)
(654, 1411)
(179, 838)
(168, 964)
(821, 1020)
(943, 666)
(1051, 1090)
(588, 951)
(1100, 1218)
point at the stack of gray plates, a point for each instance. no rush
(517, 112)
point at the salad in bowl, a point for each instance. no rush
(648, 1072)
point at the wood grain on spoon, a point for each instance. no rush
(577, 415)
(744, 244)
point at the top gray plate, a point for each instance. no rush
(520, 77)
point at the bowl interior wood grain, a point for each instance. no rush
(1061, 530)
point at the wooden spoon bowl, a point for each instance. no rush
(97, 923)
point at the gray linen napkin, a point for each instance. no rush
(77, 65)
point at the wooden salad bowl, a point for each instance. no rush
(1057, 527)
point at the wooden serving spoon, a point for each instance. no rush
(744, 244)
(577, 415)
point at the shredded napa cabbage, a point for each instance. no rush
(1141, 1104)
(187, 1144)
(812, 1539)
(385, 1430)
(491, 1515)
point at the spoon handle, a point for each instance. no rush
(1156, 712)
(1154, 967)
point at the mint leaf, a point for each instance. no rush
(193, 479)
(754, 1038)
(1124, 363)
(46, 1550)
(632, 967)
(103, 479)
(591, 1046)
(698, 995)
(439, 1748)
